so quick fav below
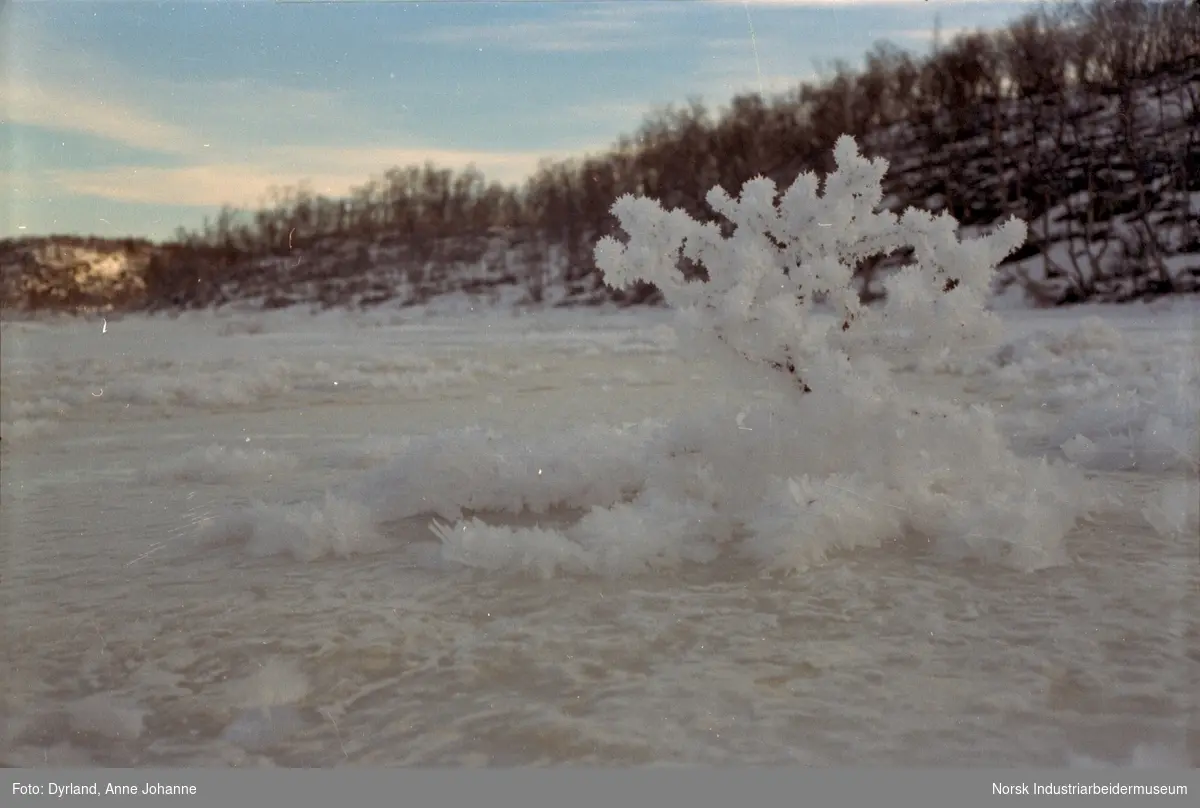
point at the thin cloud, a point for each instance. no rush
(221, 111)
(73, 110)
(222, 158)
(249, 184)
(587, 33)
(46, 86)
(215, 132)
(87, 93)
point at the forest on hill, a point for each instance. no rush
(1082, 118)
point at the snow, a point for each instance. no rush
(417, 537)
(219, 464)
(111, 483)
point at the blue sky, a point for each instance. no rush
(135, 117)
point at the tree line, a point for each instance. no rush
(1083, 118)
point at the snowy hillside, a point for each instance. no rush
(1109, 183)
(1083, 122)
(73, 273)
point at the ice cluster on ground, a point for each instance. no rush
(812, 448)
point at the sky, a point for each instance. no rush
(135, 117)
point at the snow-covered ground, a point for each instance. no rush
(209, 556)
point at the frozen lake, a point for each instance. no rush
(145, 626)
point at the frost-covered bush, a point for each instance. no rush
(762, 281)
(836, 454)
(813, 447)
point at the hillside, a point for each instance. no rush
(1086, 124)
(74, 274)
(1109, 183)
